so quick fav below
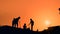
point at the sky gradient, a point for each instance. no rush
(39, 10)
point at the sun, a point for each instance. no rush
(47, 22)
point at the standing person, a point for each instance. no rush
(32, 23)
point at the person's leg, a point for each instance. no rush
(12, 24)
(31, 27)
(17, 25)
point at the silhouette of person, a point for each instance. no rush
(24, 27)
(59, 10)
(32, 23)
(15, 22)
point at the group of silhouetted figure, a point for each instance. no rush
(15, 23)
(14, 29)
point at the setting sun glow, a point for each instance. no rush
(47, 22)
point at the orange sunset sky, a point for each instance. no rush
(45, 13)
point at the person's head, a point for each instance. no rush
(30, 19)
(19, 17)
(24, 23)
(59, 9)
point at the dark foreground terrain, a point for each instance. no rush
(13, 30)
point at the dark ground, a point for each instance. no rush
(13, 30)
